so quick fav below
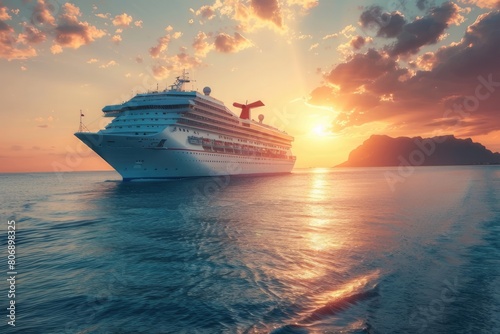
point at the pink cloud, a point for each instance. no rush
(71, 33)
(160, 71)
(359, 41)
(32, 35)
(230, 44)
(268, 10)
(10, 44)
(160, 47)
(42, 14)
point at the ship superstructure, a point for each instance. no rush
(177, 133)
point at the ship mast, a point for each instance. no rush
(178, 85)
(82, 127)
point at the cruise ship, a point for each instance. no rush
(177, 133)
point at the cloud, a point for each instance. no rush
(305, 4)
(161, 46)
(11, 45)
(160, 71)
(201, 46)
(138, 23)
(422, 4)
(456, 87)
(329, 36)
(42, 14)
(230, 44)
(359, 41)
(92, 60)
(103, 16)
(426, 30)
(483, 3)
(251, 15)
(71, 33)
(268, 10)
(4, 13)
(346, 32)
(55, 49)
(116, 39)
(32, 35)
(388, 24)
(184, 60)
(314, 46)
(139, 59)
(16, 148)
(122, 20)
(109, 64)
(66, 31)
(207, 12)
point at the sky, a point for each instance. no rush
(331, 73)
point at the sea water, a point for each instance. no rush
(315, 251)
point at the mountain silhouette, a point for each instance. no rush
(381, 150)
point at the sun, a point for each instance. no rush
(320, 130)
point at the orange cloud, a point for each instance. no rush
(206, 12)
(201, 46)
(305, 4)
(229, 44)
(116, 39)
(4, 14)
(254, 14)
(456, 87)
(122, 20)
(55, 49)
(483, 3)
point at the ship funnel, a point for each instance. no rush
(245, 108)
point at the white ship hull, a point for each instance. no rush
(143, 158)
(177, 134)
